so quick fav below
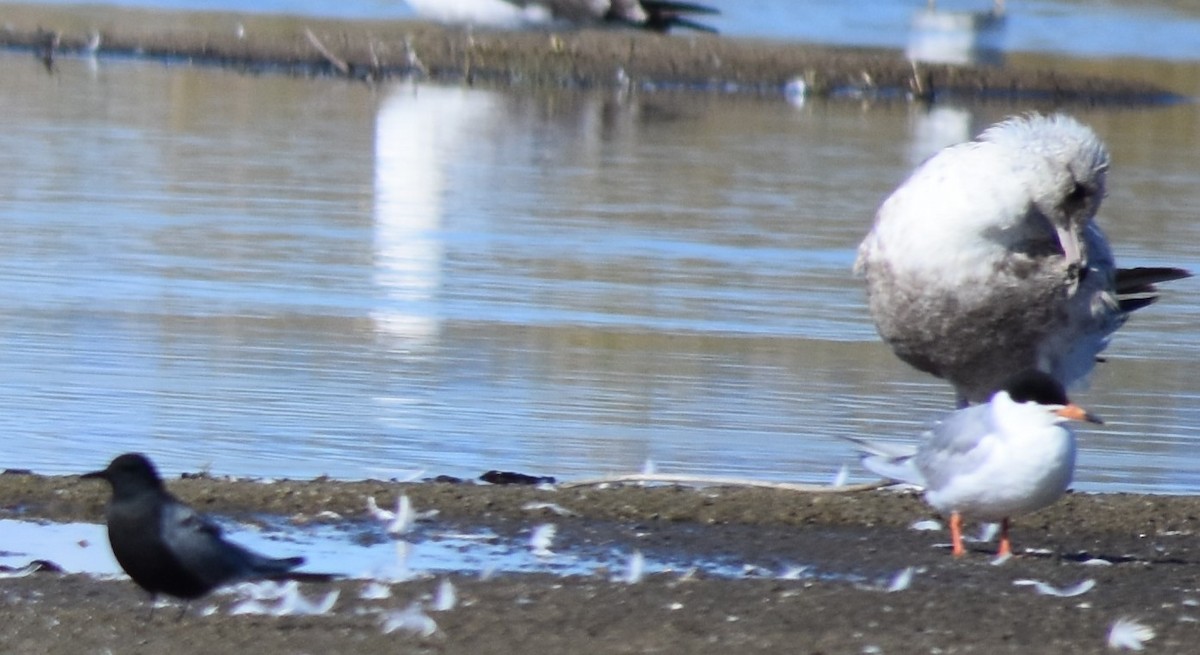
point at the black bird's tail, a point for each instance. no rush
(662, 15)
(1135, 286)
(271, 568)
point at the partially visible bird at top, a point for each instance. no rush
(169, 548)
(651, 15)
(1010, 456)
(987, 260)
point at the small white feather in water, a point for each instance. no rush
(410, 619)
(840, 478)
(635, 570)
(794, 572)
(542, 537)
(1066, 592)
(1127, 634)
(927, 525)
(902, 580)
(446, 596)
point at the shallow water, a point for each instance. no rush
(359, 551)
(280, 277)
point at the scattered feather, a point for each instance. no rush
(375, 590)
(399, 521)
(987, 532)
(410, 619)
(902, 580)
(1001, 559)
(840, 478)
(274, 599)
(208, 611)
(1048, 590)
(635, 570)
(553, 507)
(377, 513)
(542, 537)
(446, 596)
(793, 572)
(1096, 561)
(1128, 634)
(926, 525)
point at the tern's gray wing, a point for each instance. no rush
(955, 445)
(888, 460)
(197, 543)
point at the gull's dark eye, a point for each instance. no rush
(1077, 194)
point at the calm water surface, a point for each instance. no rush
(280, 277)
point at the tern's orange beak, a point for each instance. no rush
(1077, 413)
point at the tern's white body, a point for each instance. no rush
(986, 260)
(987, 462)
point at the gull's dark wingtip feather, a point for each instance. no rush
(1136, 286)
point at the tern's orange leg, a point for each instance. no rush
(1005, 544)
(956, 541)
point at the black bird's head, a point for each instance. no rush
(130, 472)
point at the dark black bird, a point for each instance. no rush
(169, 548)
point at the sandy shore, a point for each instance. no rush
(855, 543)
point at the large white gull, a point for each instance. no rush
(987, 260)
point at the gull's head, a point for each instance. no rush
(1040, 393)
(1065, 166)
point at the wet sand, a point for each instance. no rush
(374, 50)
(855, 543)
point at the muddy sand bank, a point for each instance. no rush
(374, 50)
(854, 543)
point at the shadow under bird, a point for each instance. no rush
(169, 548)
(987, 260)
(1013, 455)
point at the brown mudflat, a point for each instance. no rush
(855, 544)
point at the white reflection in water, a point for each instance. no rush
(420, 133)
